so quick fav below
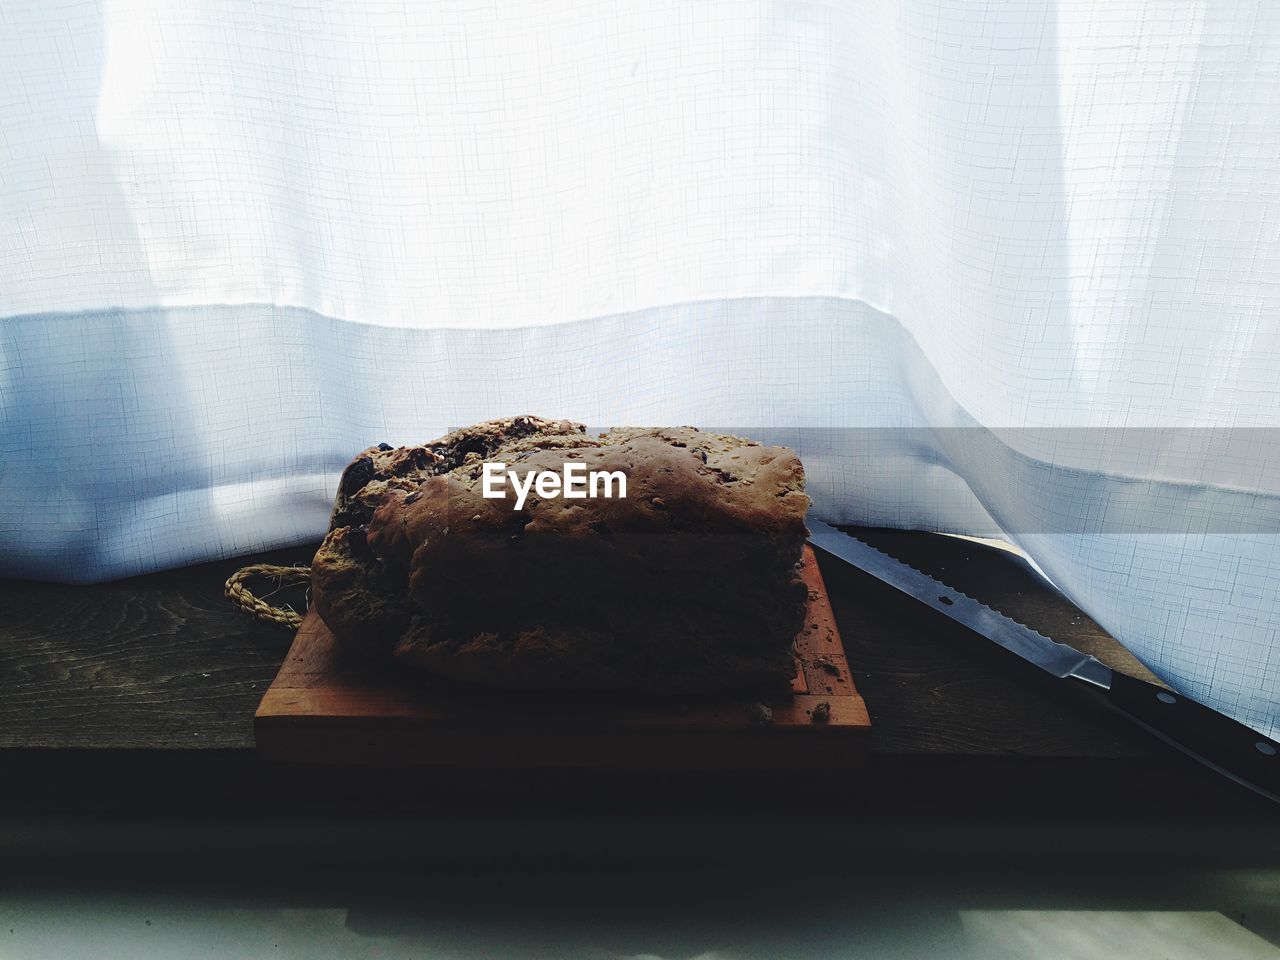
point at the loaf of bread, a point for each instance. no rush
(687, 583)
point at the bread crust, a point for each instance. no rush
(688, 583)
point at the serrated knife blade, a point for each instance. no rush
(1221, 743)
(1055, 658)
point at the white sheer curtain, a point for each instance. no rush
(992, 268)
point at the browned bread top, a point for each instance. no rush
(690, 575)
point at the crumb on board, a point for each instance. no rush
(761, 713)
(829, 665)
(821, 712)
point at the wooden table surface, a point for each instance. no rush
(139, 695)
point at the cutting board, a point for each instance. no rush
(328, 707)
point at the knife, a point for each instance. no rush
(1220, 743)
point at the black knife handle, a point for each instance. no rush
(1211, 737)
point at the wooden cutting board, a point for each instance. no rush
(326, 707)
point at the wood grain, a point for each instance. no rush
(144, 690)
(329, 707)
(157, 662)
(163, 662)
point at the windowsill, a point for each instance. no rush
(136, 698)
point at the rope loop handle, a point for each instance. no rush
(258, 608)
